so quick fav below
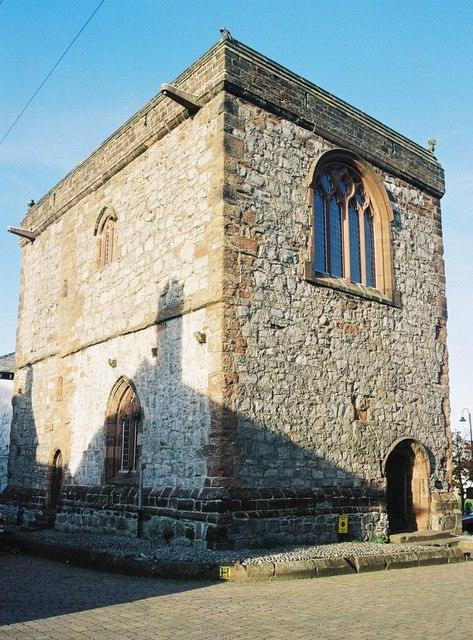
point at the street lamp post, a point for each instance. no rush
(463, 419)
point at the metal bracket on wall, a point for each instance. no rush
(187, 100)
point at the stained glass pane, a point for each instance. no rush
(325, 182)
(354, 229)
(335, 267)
(369, 250)
(320, 233)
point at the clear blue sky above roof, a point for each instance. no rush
(406, 64)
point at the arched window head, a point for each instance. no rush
(350, 221)
(122, 432)
(105, 230)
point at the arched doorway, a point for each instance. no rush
(407, 471)
(55, 480)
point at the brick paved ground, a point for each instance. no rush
(45, 600)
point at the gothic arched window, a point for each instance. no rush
(122, 432)
(351, 219)
(343, 226)
(105, 230)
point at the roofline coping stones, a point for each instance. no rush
(217, 70)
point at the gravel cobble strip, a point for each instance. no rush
(126, 547)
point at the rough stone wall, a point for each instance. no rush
(326, 381)
(279, 416)
(6, 395)
(164, 206)
(82, 327)
(250, 75)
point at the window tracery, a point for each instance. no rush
(123, 428)
(344, 232)
(350, 220)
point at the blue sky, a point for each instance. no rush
(408, 64)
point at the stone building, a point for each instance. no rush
(240, 296)
(7, 368)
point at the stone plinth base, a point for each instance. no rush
(225, 517)
(445, 514)
(215, 517)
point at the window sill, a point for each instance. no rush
(351, 288)
(124, 477)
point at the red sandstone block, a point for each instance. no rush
(332, 567)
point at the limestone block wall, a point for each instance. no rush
(172, 393)
(164, 202)
(6, 395)
(326, 381)
(81, 327)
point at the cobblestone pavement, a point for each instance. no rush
(46, 600)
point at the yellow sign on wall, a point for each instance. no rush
(342, 524)
(224, 573)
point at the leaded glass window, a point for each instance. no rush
(355, 255)
(335, 254)
(369, 249)
(344, 244)
(123, 445)
(126, 444)
(320, 232)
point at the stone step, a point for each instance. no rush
(434, 538)
(466, 545)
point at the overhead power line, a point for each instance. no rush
(50, 73)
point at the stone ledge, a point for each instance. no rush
(351, 288)
(213, 570)
(401, 561)
(362, 564)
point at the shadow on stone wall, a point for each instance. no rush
(242, 484)
(33, 489)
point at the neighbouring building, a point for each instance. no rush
(7, 368)
(240, 295)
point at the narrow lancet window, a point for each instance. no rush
(320, 233)
(335, 238)
(355, 257)
(105, 231)
(123, 447)
(369, 250)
